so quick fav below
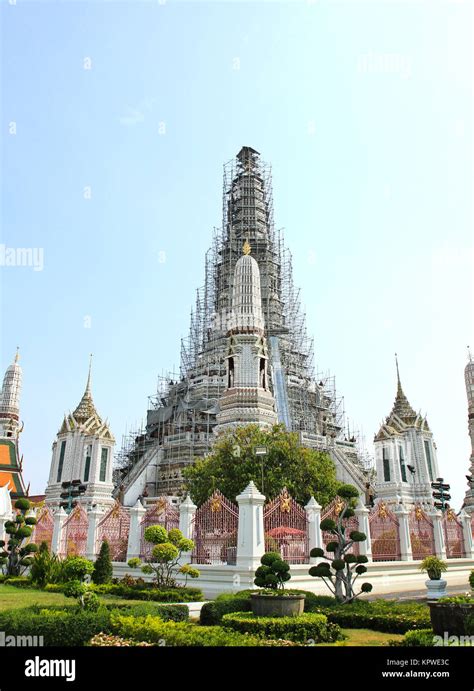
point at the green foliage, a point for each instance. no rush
(165, 556)
(317, 552)
(346, 567)
(58, 628)
(189, 572)
(19, 581)
(422, 637)
(154, 630)
(212, 612)
(379, 615)
(434, 567)
(304, 628)
(273, 572)
(471, 579)
(102, 572)
(156, 534)
(15, 556)
(74, 589)
(232, 464)
(76, 568)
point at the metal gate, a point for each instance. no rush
(421, 534)
(43, 531)
(115, 527)
(285, 525)
(384, 534)
(453, 536)
(74, 533)
(162, 513)
(215, 526)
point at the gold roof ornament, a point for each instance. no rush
(450, 515)
(215, 504)
(339, 505)
(382, 510)
(419, 515)
(160, 505)
(246, 248)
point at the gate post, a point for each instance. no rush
(465, 519)
(362, 514)
(134, 536)
(440, 545)
(313, 514)
(187, 511)
(250, 534)
(94, 516)
(404, 528)
(58, 518)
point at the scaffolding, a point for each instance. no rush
(182, 414)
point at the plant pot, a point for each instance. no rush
(277, 605)
(450, 617)
(436, 588)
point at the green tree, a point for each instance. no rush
(341, 571)
(273, 572)
(16, 555)
(102, 572)
(165, 557)
(46, 567)
(232, 464)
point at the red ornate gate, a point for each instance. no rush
(421, 534)
(333, 511)
(285, 526)
(115, 527)
(43, 531)
(384, 534)
(74, 533)
(453, 535)
(162, 513)
(215, 531)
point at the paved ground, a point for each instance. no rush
(418, 594)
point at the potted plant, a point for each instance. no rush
(436, 585)
(272, 575)
(453, 616)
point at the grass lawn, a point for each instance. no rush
(11, 598)
(364, 637)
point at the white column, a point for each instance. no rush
(437, 519)
(250, 537)
(362, 513)
(59, 518)
(402, 514)
(187, 511)
(465, 519)
(134, 537)
(94, 516)
(313, 514)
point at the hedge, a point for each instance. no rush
(154, 630)
(422, 637)
(303, 628)
(134, 593)
(69, 626)
(350, 617)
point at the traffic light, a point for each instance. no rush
(73, 489)
(441, 493)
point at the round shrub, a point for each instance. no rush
(338, 564)
(331, 546)
(318, 552)
(269, 557)
(366, 587)
(357, 536)
(22, 504)
(30, 520)
(164, 552)
(156, 534)
(348, 492)
(76, 568)
(328, 524)
(350, 558)
(303, 628)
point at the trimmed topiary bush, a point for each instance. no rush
(273, 572)
(164, 561)
(212, 612)
(305, 628)
(102, 572)
(15, 555)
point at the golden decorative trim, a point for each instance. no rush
(247, 249)
(285, 502)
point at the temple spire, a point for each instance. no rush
(88, 385)
(86, 407)
(401, 407)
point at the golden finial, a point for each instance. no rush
(17, 354)
(247, 249)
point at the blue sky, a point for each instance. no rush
(115, 172)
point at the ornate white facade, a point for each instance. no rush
(83, 450)
(247, 398)
(469, 379)
(10, 400)
(405, 455)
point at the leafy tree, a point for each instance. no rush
(86, 598)
(76, 568)
(232, 464)
(273, 572)
(16, 555)
(102, 572)
(344, 569)
(165, 556)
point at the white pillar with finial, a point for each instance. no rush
(250, 537)
(134, 536)
(313, 515)
(58, 522)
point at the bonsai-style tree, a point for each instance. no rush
(165, 556)
(341, 572)
(232, 464)
(273, 572)
(16, 556)
(102, 572)
(74, 571)
(434, 567)
(86, 598)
